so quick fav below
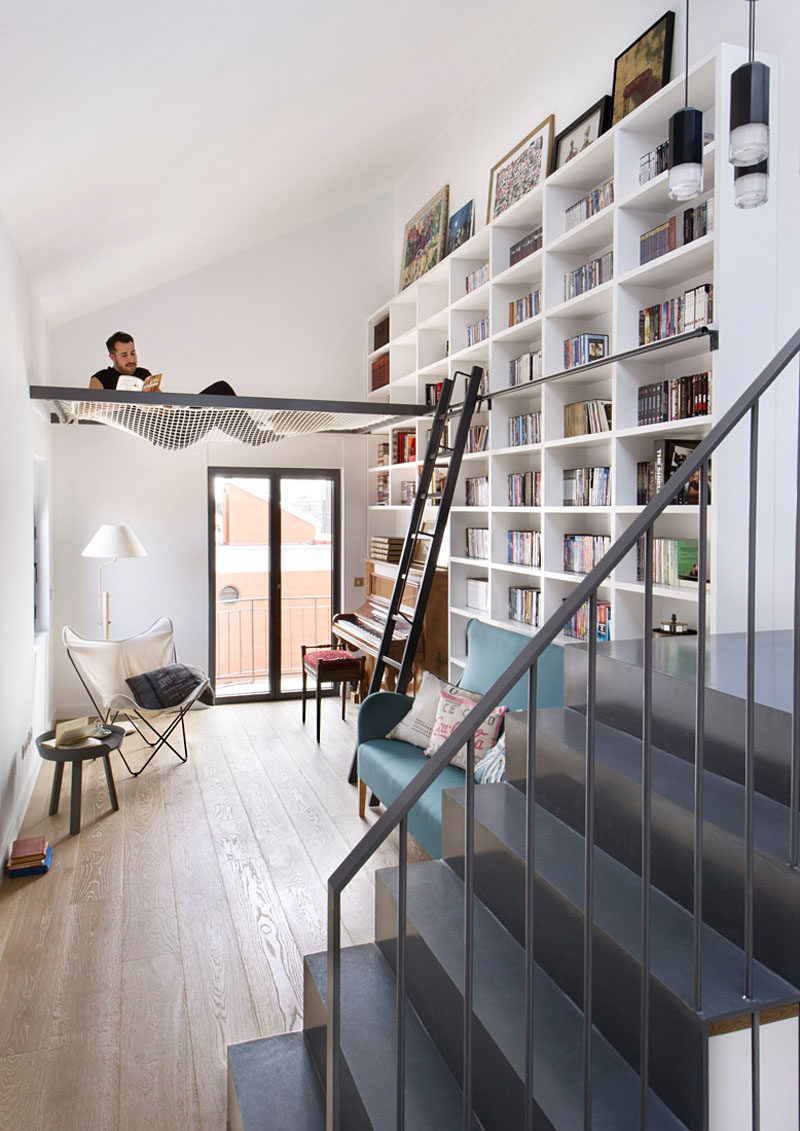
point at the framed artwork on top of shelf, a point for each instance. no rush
(643, 68)
(582, 132)
(424, 238)
(521, 170)
(461, 226)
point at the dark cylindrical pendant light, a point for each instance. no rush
(686, 143)
(750, 184)
(749, 141)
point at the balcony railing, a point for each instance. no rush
(242, 636)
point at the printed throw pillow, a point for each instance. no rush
(452, 710)
(164, 687)
(492, 768)
(417, 725)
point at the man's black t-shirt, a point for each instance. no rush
(108, 377)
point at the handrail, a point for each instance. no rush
(376, 835)
(526, 662)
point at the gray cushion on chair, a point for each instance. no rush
(164, 687)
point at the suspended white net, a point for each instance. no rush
(157, 418)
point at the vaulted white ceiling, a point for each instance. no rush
(140, 141)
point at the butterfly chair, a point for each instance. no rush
(105, 666)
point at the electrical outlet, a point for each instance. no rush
(23, 750)
(358, 582)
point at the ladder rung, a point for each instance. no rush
(403, 616)
(392, 663)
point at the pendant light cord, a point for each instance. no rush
(751, 46)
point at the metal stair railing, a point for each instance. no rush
(396, 814)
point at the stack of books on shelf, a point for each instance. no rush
(478, 438)
(666, 237)
(528, 367)
(525, 247)
(408, 489)
(525, 429)
(525, 489)
(582, 552)
(652, 474)
(477, 542)
(380, 334)
(476, 278)
(587, 487)
(674, 561)
(29, 857)
(405, 447)
(596, 201)
(678, 315)
(383, 454)
(478, 594)
(477, 331)
(654, 163)
(521, 309)
(582, 418)
(380, 372)
(477, 491)
(676, 398)
(584, 348)
(437, 486)
(382, 490)
(578, 627)
(589, 275)
(525, 605)
(525, 548)
(385, 549)
(433, 391)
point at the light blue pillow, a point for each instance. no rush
(492, 768)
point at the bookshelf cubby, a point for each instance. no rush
(429, 340)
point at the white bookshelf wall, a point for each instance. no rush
(428, 341)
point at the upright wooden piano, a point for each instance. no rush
(364, 627)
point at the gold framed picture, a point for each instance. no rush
(522, 169)
(424, 238)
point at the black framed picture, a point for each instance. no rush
(460, 227)
(580, 134)
(643, 68)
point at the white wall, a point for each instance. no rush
(24, 703)
(285, 319)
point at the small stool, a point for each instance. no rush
(327, 664)
(77, 755)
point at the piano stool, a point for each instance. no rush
(327, 664)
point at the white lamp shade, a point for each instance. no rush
(114, 540)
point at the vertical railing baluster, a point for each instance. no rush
(699, 745)
(469, 923)
(530, 884)
(755, 1072)
(588, 862)
(334, 1034)
(647, 797)
(402, 905)
(749, 746)
(794, 776)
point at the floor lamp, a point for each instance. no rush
(111, 541)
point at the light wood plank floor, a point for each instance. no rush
(177, 926)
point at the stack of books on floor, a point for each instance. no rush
(385, 549)
(29, 857)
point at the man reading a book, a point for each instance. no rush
(122, 352)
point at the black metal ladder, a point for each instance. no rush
(435, 454)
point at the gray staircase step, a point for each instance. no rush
(619, 699)
(435, 983)
(678, 1033)
(368, 1021)
(273, 1086)
(560, 758)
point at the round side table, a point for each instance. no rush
(77, 755)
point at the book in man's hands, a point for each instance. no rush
(151, 384)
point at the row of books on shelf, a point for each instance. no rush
(478, 594)
(476, 278)
(525, 604)
(582, 552)
(477, 542)
(382, 458)
(477, 331)
(379, 372)
(589, 275)
(408, 489)
(526, 367)
(477, 491)
(380, 333)
(653, 474)
(674, 561)
(582, 418)
(385, 549)
(656, 161)
(433, 392)
(521, 309)
(525, 489)
(689, 311)
(404, 446)
(478, 438)
(578, 626)
(525, 429)
(675, 398)
(30, 856)
(525, 247)
(592, 203)
(525, 548)
(666, 237)
(587, 486)
(584, 348)
(382, 496)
